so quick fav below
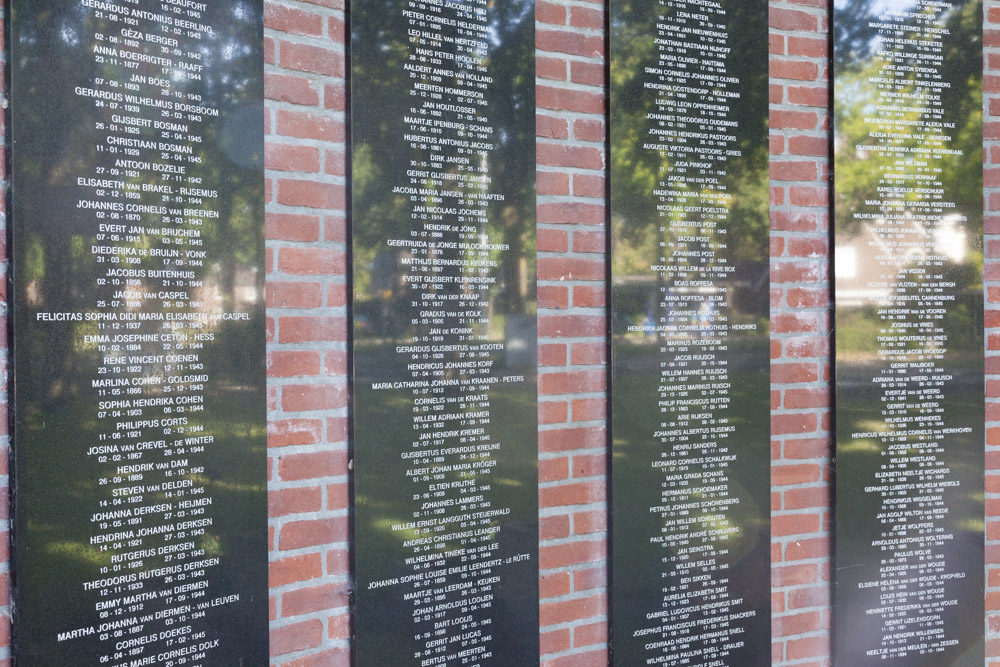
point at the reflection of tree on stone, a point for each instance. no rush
(60, 272)
(378, 212)
(637, 171)
(858, 172)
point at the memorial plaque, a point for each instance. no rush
(140, 529)
(690, 333)
(909, 333)
(444, 333)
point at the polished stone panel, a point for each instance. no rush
(909, 524)
(444, 333)
(139, 477)
(690, 350)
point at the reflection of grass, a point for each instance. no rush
(79, 552)
(381, 472)
(386, 499)
(859, 446)
(65, 493)
(637, 484)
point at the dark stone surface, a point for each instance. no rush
(690, 352)
(444, 333)
(139, 388)
(909, 334)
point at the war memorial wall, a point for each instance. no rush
(164, 401)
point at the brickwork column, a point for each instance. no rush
(571, 327)
(307, 332)
(801, 401)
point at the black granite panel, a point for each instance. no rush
(444, 333)
(139, 393)
(909, 333)
(690, 350)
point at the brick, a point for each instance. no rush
(566, 439)
(571, 610)
(312, 261)
(550, 68)
(552, 412)
(312, 532)
(296, 637)
(550, 268)
(291, 227)
(282, 502)
(809, 47)
(818, 596)
(564, 99)
(282, 363)
(549, 12)
(571, 382)
(588, 241)
(586, 185)
(295, 569)
(589, 129)
(300, 398)
(309, 58)
(290, 88)
(794, 69)
(573, 326)
(552, 354)
(590, 522)
(590, 578)
(585, 73)
(288, 432)
(590, 635)
(552, 183)
(292, 20)
(589, 659)
(794, 575)
(554, 584)
(317, 598)
(589, 296)
(555, 641)
(311, 194)
(795, 474)
(553, 296)
(796, 624)
(553, 240)
(312, 465)
(794, 524)
(550, 127)
(579, 157)
(590, 465)
(554, 527)
(572, 43)
(294, 295)
(576, 214)
(810, 647)
(304, 125)
(579, 493)
(296, 329)
(588, 354)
